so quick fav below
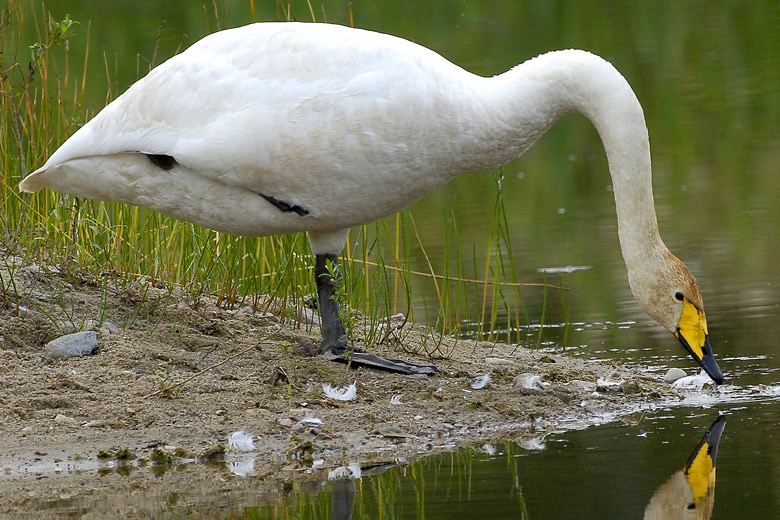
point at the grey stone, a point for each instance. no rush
(498, 361)
(578, 385)
(44, 297)
(673, 374)
(64, 419)
(68, 328)
(110, 327)
(107, 327)
(309, 316)
(305, 347)
(73, 345)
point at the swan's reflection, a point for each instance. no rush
(690, 493)
(343, 490)
(342, 497)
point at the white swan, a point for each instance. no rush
(281, 127)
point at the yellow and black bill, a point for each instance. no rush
(703, 356)
(692, 333)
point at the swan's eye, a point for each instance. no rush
(679, 296)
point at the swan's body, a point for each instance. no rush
(280, 127)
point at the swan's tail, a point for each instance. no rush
(34, 182)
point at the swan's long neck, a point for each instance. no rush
(528, 99)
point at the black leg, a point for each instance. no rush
(334, 337)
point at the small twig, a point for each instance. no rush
(207, 354)
(234, 356)
(425, 255)
(281, 373)
(458, 279)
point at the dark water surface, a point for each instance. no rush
(612, 471)
(708, 77)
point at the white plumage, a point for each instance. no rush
(345, 393)
(314, 115)
(281, 127)
(241, 441)
(481, 382)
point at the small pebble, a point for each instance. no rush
(631, 387)
(498, 361)
(44, 297)
(64, 419)
(68, 328)
(673, 374)
(578, 385)
(73, 345)
(305, 347)
(392, 432)
(109, 327)
(22, 310)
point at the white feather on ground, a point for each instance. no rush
(347, 393)
(530, 381)
(396, 400)
(241, 441)
(481, 382)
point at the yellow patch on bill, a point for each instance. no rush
(692, 327)
(700, 474)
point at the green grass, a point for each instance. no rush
(41, 104)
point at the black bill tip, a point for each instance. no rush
(708, 363)
(707, 360)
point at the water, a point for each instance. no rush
(707, 78)
(610, 471)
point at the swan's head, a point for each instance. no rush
(671, 296)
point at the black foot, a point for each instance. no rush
(334, 337)
(342, 354)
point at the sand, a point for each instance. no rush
(58, 415)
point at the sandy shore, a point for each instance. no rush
(58, 415)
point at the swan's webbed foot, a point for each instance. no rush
(334, 338)
(341, 353)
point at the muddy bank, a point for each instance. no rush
(58, 415)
